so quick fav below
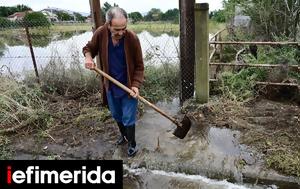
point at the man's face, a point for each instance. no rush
(118, 27)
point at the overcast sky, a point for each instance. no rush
(142, 6)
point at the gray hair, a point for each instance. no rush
(115, 12)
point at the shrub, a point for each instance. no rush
(36, 19)
(5, 23)
(240, 86)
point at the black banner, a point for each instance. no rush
(61, 173)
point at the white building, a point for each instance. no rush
(50, 16)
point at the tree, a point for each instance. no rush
(218, 15)
(79, 17)
(6, 11)
(63, 16)
(106, 7)
(171, 15)
(35, 19)
(5, 23)
(22, 8)
(153, 15)
(135, 16)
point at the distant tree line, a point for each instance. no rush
(32, 19)
(6, 11)
(153, 15)
(171, 15)
(218, 15)
(35, 19)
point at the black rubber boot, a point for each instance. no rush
(132, 148)
(122, 129)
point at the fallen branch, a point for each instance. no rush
(253, 43)
(291, 67)
(239, 59)
(278, 84)
(268, 83)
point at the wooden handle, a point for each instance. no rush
(139, 97)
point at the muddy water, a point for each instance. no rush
(143, 178)
(165, 161)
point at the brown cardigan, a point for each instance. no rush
(133, 54)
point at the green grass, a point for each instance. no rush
(214, 26)
(152, 27)
(155, 27)
(170, 28)
(72, 27)
(240, 86)
(285, 161)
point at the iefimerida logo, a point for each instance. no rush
(33, 175)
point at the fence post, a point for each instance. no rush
(32, 53)
(187, 49)
(96, 13)
(95, 7)
(202, 52)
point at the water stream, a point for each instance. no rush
(168, 162)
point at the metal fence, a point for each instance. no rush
(63, 42)
(187, 49)
(48, 43)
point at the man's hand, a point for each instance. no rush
(135, 92)
(89, 62)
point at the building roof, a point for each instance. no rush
(17, 14)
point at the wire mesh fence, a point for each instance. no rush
(61, 43)
(187, 55)
(48, 43)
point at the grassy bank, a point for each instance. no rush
(154, 27)
(157, 27)
(170, 28)
(71, 27)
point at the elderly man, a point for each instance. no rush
(121, 57)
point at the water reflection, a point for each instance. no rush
(144, 178)
(2, 48)
(13, 39)
(15, 54)
(42, 38)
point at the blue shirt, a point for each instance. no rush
(117, 66)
